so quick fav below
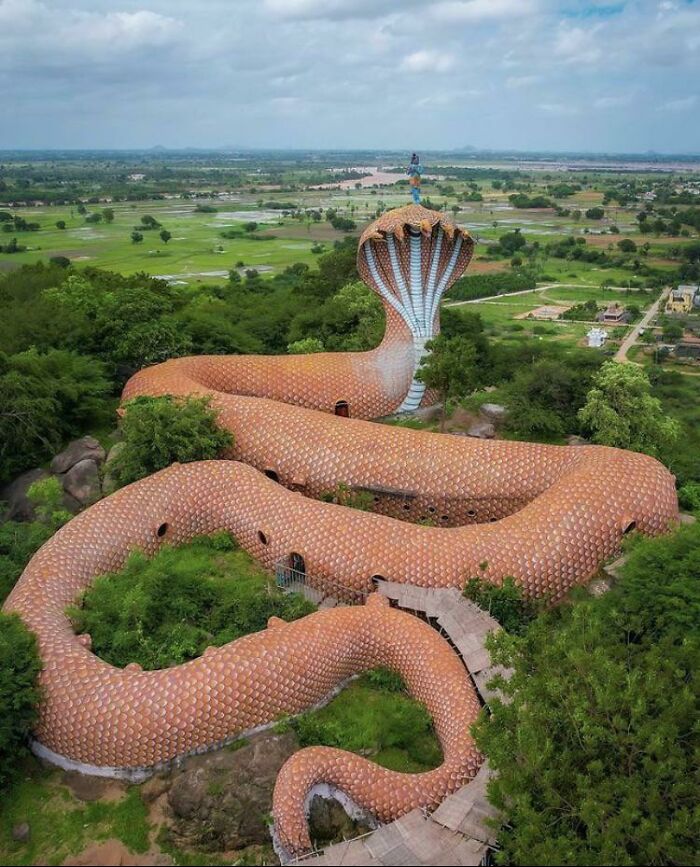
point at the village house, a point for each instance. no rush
(596, 337)
(613, 314)
(683, 299)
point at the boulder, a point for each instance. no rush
(82, 481)
(21, 832)
(109, 483)
(219, 801)
(19, 506)
(329, 823)
(483, 430)
(85, 449)
(493, 412)
(427, 413)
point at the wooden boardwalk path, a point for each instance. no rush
(459, 831)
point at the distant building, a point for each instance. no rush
(683, 299)
(137, 176)
(597, 337)
(613, 314)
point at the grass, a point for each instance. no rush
(195, 249)
(375, 717)
(61, 825)
(166, 610)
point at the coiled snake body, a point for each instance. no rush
(546, 515)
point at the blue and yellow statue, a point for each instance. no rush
(414, 171)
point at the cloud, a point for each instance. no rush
(577, 44)
(335, 9)
(323, 73)
(483, 10)
(611, 101)
(427, 61)
(515, 82)
(557, 108)
(683, 103)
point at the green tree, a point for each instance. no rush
(148, 222)
(108, 215)
(165, 235)
(19, 694)
(305, 346)
(620, 411)
(158, 431)
(543, 397)
(60, 224)
(44, 400)
(595, 749)
(20, 540)
(136, 237)
(450, 369)
(595, 213)
(627, 245)
(672, 331)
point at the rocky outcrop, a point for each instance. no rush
(78, 469)
(82, 482)
(221, 801)
(482, 430)
(329, 823)
(14, 495)
(494, 412)
(85, 449)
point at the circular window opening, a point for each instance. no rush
(629, 527)
(471, 513)
(432, 510)
(271, 474)
(262, 538)
(162, 530)
(444, 517)
(376, 578)
(406, 507)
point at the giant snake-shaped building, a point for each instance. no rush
(546, 515)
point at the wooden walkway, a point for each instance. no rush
(459, 831)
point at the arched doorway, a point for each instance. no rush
(297, 566)
(342, 408)
(271, 474)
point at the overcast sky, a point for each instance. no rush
(509, 74)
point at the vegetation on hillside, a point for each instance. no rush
(159, 431)
(166, 610)
(374, 716)
(19, 694)
(595, 750)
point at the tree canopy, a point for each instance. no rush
(595, 750)
(158, 431)
(621, 411)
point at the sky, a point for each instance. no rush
(557, 75)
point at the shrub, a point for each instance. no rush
(167, 610)
(486, 285)
(372, 717)
(20, 541)
(596, 748)
(159, 431)
(506, 603)
(45, 399)
(19, 669)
